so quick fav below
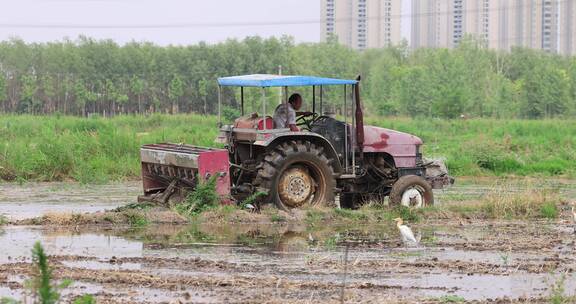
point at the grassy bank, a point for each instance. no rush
(48, 148)
(203, 208)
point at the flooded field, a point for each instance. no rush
(285, 263)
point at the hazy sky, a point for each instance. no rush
(163, 22)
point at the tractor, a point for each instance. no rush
(334, 160)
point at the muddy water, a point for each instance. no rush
(36, 199)
(282, 263)
(306, 258)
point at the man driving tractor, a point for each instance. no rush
(285, 114)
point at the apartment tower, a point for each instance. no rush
(362, 24)
(500, 24)
(567, 35)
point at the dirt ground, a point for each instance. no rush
(474, 261)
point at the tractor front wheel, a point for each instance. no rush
(411, 191)
(295, 174)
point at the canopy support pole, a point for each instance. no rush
(313, 99)
(219, 106)
(264, 106)
(321, 99)
(345, 131)
(242, 100)
(354, 133)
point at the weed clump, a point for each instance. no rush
(557, 290)
(203, 198)
(452, 299)
(253, 200)
(549, 211)
(136, 218)
(42, 288)
(531, 203)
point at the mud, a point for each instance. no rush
(36, 199)
(477, 261)
(283, 263)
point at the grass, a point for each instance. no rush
(500, 203)
(504, 203)
(90, 150)
(96, 149)
(41, 286)
(557, 290)
(203, 206)
(478, 147)
(451, 299)
(136, 218)
(276, 218)
(203, 198)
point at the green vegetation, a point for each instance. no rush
(42, 288)
(136, 218)
(97, 149)
(90, 150)
(532, 203)
(3, 220)
(549, 211)
(332, 241)
(42, 284)
(276, 218)
(557, 290)
(452, 299)
(87, 76)
(500, 203)
(203, 198)
(495, 147)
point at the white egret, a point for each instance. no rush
(407, 234)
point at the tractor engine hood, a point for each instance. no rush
(402, 146)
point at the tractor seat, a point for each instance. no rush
(253, 121)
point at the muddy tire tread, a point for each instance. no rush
(275, 159)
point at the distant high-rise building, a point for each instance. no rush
(501, 24)
(567, 34)
(362, 24)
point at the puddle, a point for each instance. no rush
(36, 199)
(282, 263)
(17, 242)
(287, 254)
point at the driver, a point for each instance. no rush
(285, 114)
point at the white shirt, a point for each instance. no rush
(284, 116)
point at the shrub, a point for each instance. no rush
(203, 198)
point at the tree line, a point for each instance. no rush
(87, 76)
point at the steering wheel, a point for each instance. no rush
(307, 123)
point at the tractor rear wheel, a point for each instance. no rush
(411, 191)
(295, 174)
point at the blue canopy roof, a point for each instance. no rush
(264, 80)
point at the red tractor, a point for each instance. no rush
(329, 161)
